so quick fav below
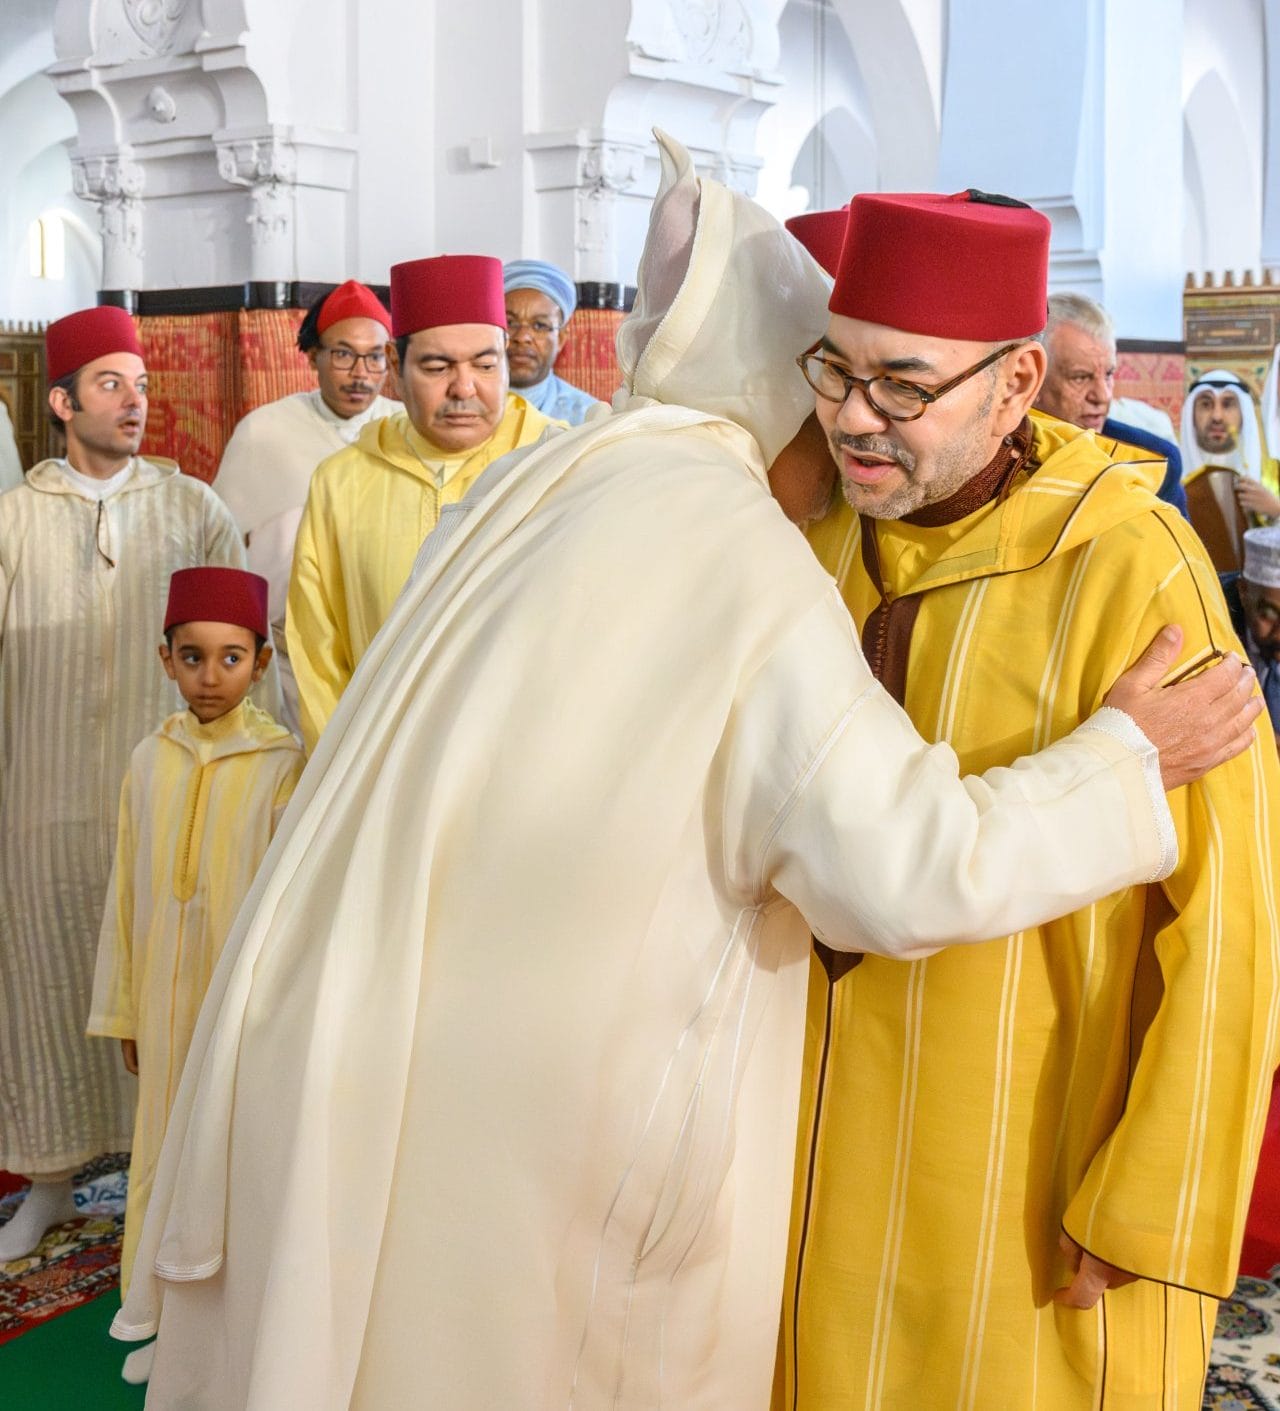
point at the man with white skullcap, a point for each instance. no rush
(1260, 598)
(540, 302)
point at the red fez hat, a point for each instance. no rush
(218, 595)
(970, 266)
(822, 234)
(446, 289)
(71, 342)
(352, 300)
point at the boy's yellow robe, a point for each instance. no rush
(368, 510)
(1107, 1074)
(197, 810)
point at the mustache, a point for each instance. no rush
(872, 446)
(357, 387)
(467, 407)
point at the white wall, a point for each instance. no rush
(818, 141)
(1225, 118)
(35, 174)
(356, 133)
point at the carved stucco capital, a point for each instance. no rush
(114, 183)
(606, 168)
(116, 177)
(257, 161)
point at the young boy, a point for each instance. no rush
(198, 807)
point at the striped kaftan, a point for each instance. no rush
(1107, 1074)
(197, 811)
(83, 586)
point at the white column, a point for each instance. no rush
(114, 183)
(1271, 143)
(1076, 110)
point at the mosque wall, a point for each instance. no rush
(229, 143)
(35, 180)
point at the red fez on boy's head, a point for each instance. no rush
(822, 234)
(446, 289)
(969, 266)
(352, 300)
(71, 342)
(218, 595)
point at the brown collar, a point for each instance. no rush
(993, 482)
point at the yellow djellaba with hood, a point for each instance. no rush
(1106, 1075)
(198, 809)
(368, 510)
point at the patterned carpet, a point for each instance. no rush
(74, 1262)
(1244, 1374)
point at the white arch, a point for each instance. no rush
(898, 44)
(1223, 178)
(837, 159)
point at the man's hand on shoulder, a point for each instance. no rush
(1197, 723)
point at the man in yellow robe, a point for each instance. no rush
(370, 506)
(1024, 1166)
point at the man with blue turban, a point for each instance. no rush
(540, 302)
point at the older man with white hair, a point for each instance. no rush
(1080, 341)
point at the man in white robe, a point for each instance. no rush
(10, 461)
(1220, 425)
(87, 546)
(266, 468)
(492, 1103)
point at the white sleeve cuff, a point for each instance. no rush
(1124, 729)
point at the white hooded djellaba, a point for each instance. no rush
(493, 1100)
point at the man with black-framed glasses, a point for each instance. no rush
(1023, 1168)
(273, 452)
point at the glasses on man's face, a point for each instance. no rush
(886, 396)
(344, 359)
(539, 327)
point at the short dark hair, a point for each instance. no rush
(258, 642)
(308, 332)
(68, 385)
